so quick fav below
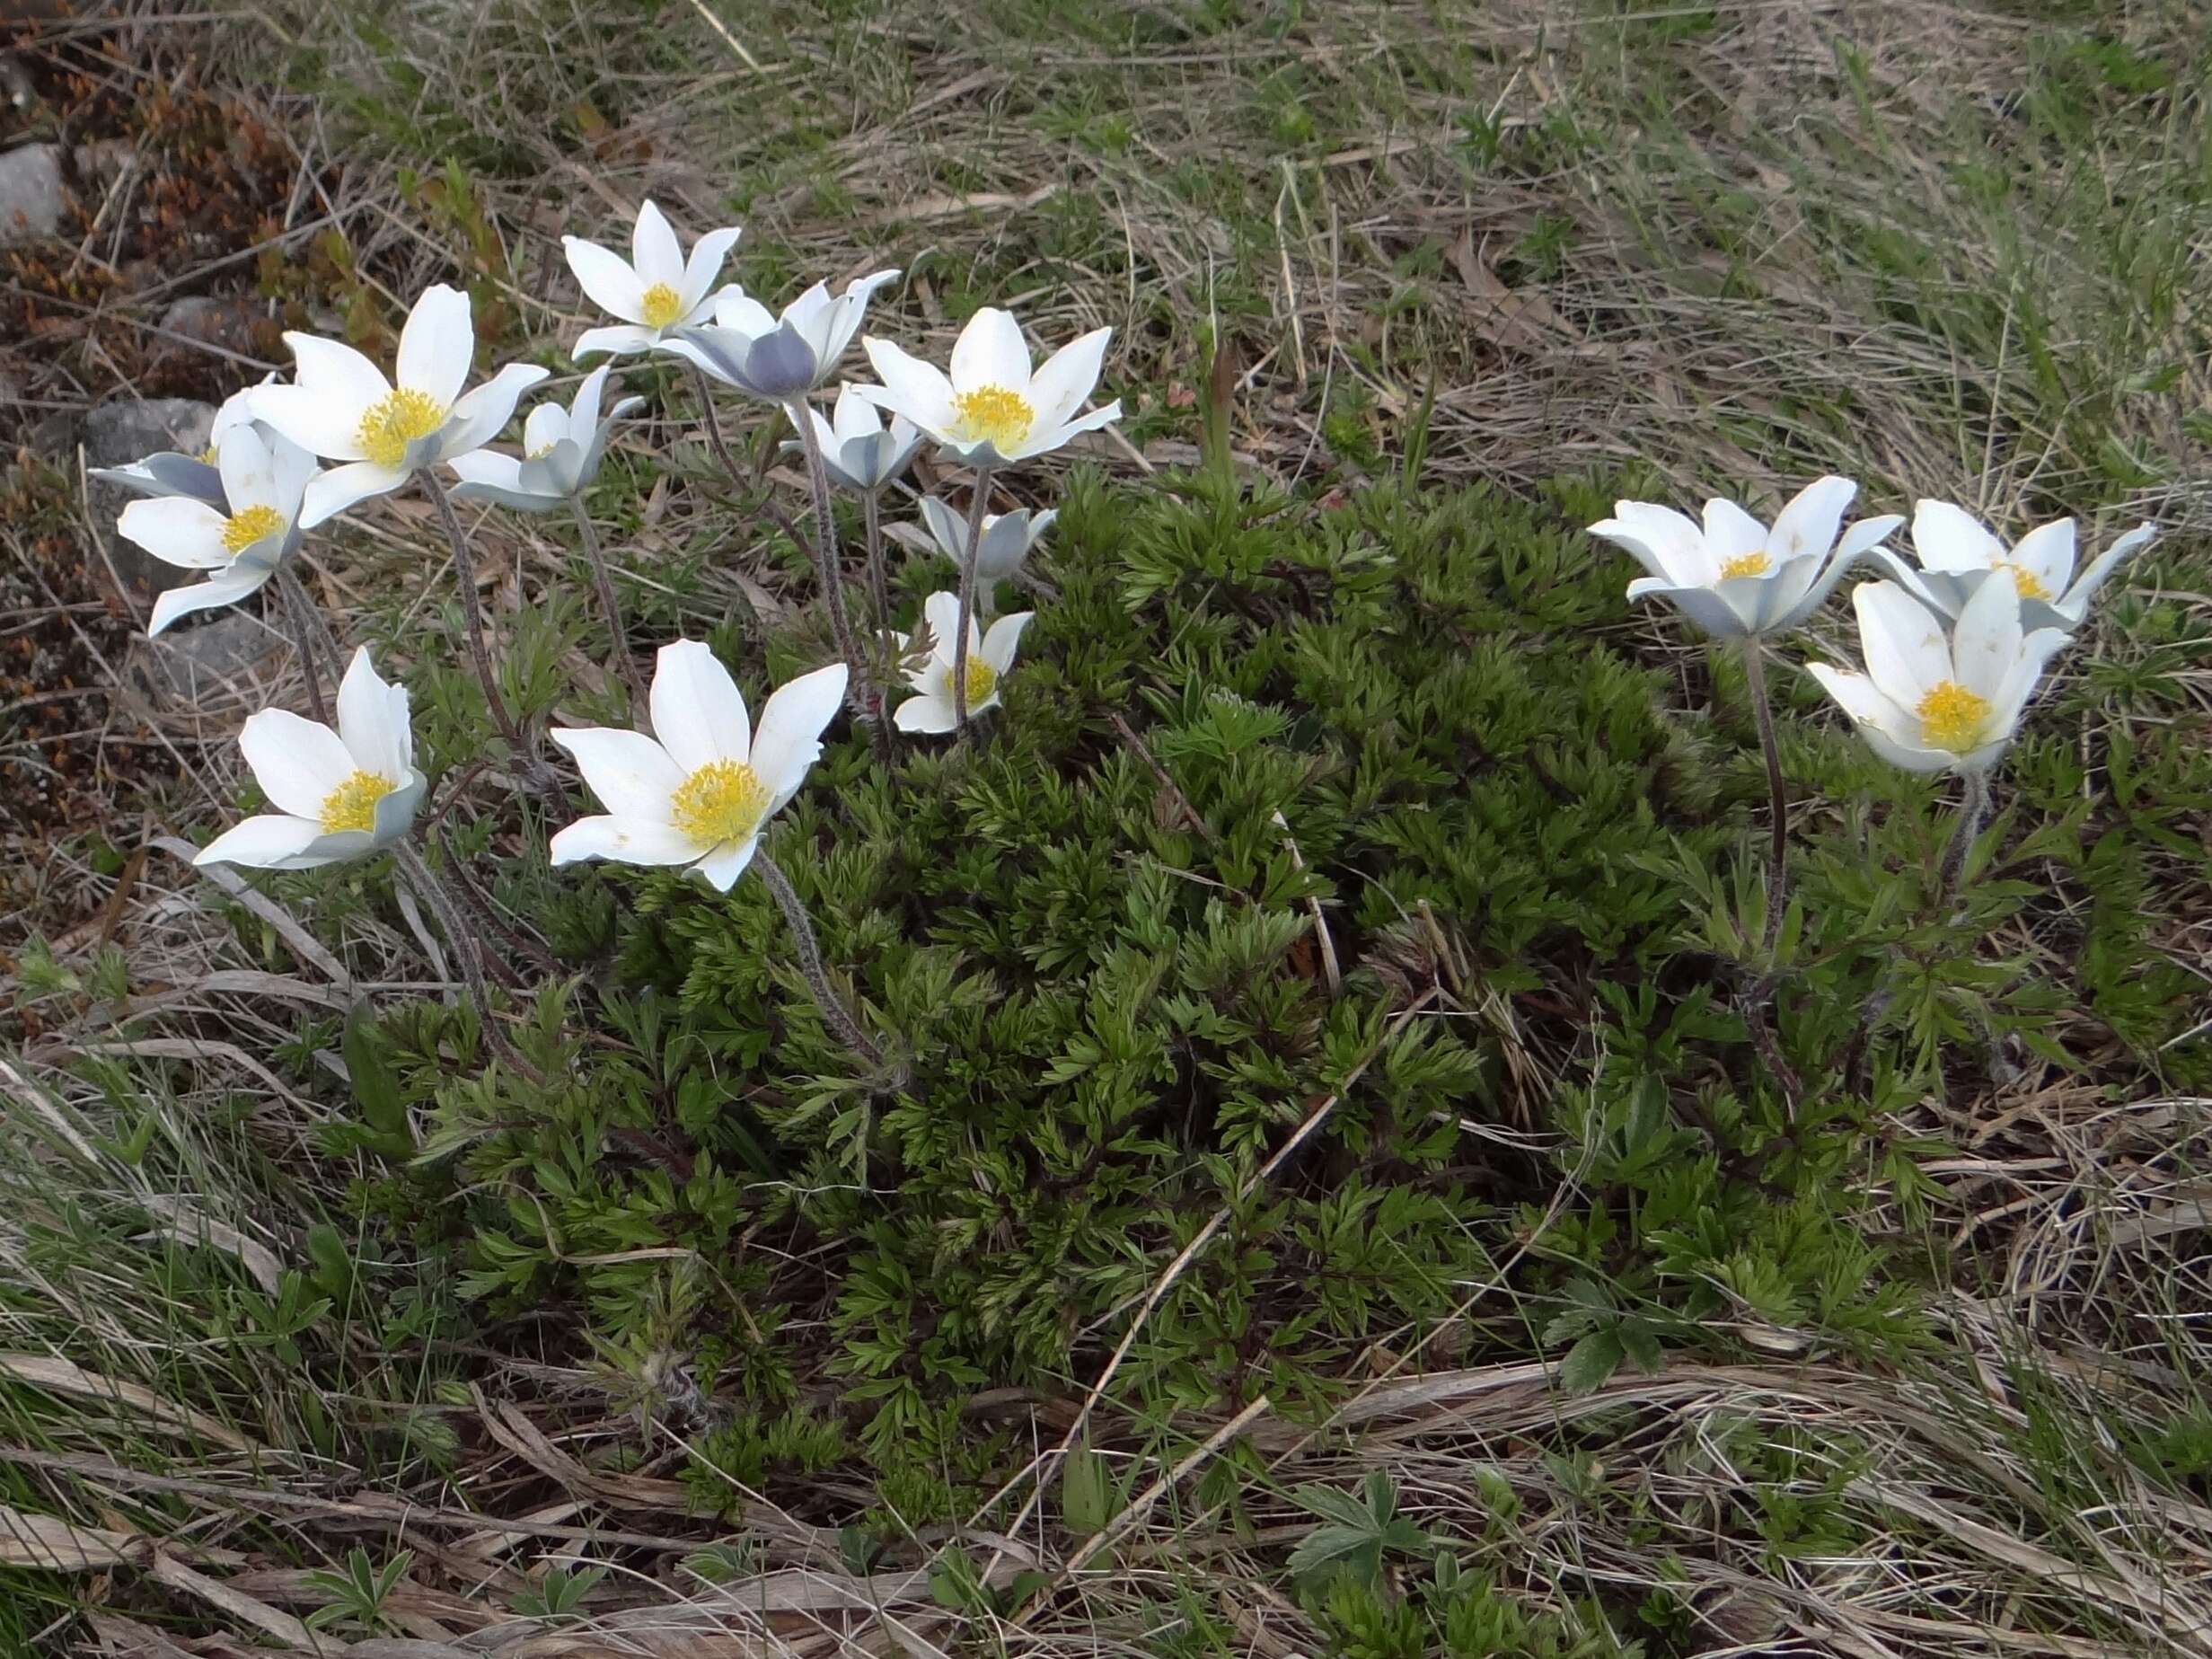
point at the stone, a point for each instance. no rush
(30, 193)
(232, 325)
(126, 429)
(209, 653)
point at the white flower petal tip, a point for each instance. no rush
(1733, 576)
(655, 291)
(987, 408)
(700, 790)
(777, 358)
(1939, 695)
(341, 793)
(1957, 554)
(1005, 544)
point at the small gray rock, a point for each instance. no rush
(188, 662)
(126, 429)
(30, 193)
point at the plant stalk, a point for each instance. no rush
(705, 389)
(479, 652)
(604, 578)
(300, 611)
(469, 953)
(1778, 865)
(878, 582)
(861, 690)
(841, 1018)
(967, 598)
(1973, 812)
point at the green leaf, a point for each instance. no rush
(1591, 1363)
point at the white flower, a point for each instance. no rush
(1007, 539)
(859, 453)
(1956, 555)
(1936, 701)
(654, 290)
(240, 541)
(338, 794)
(779, 358)
(342, 407)
(701, 795)
(1737, 577)
(171, 472)
(992, 411)
(930, 709)
(561, 452)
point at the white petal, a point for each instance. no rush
(1730, 532)
(437, 345)
(632, 775)
(1984, 646)
(393, 814)
(331, 493)
(1906, 653)
(708, 254)
(1806, 528)
(545, 425)
(292, 467)
(249, 469)
(372, 720)
(738, 311)
(227, 587)
(654, 250)
(2075, 604)
(911, 387)
(627, 841)
(582, 421)
(479, 417)
(943, 610)
(1004, 637)
(177, 530)
(812, 315)
(990, 352)
(852, 416)
(1676, 544)
(607, 279)
(296, 762)
(924, 712)
(1702, 605)
(1949, 538)
(792, 722)
(849, 313)
(270, 841)
(698, 714)
(620, 338)
(946, 528)
(1666, 568)
(1068, 376)
(1859, 697)
(721, 869)
(1043, 440)
(2047, 553)
(318, 422)
(1911, 757)
(331, 372)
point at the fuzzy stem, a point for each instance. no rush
(464, 572)
(468, 952)
(714, 427)
(860, 691)
(1777, 868)
(1973, 811)
(879, 585)
(967, 598)
(834, 1009)
(604, 578)
(300, 610)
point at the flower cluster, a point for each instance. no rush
(698, 789)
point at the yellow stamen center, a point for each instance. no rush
(723, 801)
(1953, 718)
(982, 680)
(992, 415)
(1745, 564)
(352, 805)
(2030, 585)
(207, 455)
(659, 306)
(396, 421)
(539, 453)
(246, 528)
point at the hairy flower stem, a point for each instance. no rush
(967, 598)
(479, 652)
(300, 611)
(1973, 812)
(705, 388)
(469, 953)
(860, 691)
(1777, 866)
(841, 1018)
(603, 579)
(879, 585)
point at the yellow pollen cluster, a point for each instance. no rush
(992, 415)
(982, 680)
(2030, 585)
(723, 801)
(352, 805)
(1745, 564)
(659, 306)
(244, 529)
(1953, 718)
(396, 419)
